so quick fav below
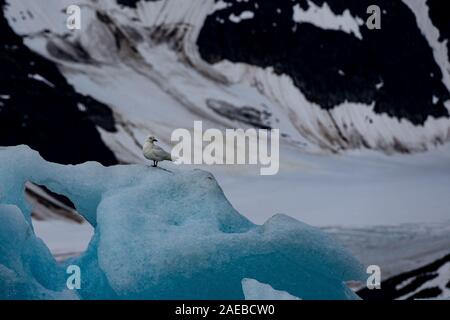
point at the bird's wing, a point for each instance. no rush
(160, 152)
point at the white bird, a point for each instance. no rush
(155, 153)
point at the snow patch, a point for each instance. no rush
(245, 15)
(435, 100)
(379, 85)
(323, 17)
(38, 77)
(220, 5)
(81, 107)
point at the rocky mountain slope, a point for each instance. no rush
(311, 68)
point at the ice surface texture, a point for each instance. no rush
(158, 235)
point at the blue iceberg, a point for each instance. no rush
(158, 235)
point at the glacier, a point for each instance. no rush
(159, 234)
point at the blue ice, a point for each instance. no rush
(158, 235)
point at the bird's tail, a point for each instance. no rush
(176, 160)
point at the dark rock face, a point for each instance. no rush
(413, 285)
(245, 114)
(39, 108)
(331, 66)
(132, 3)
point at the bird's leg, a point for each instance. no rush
(154, 164)
(157, 163)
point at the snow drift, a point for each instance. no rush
(158, 235)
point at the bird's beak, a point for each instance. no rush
(156, 140)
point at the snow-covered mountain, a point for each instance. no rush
(38, 107)
(311, 68)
